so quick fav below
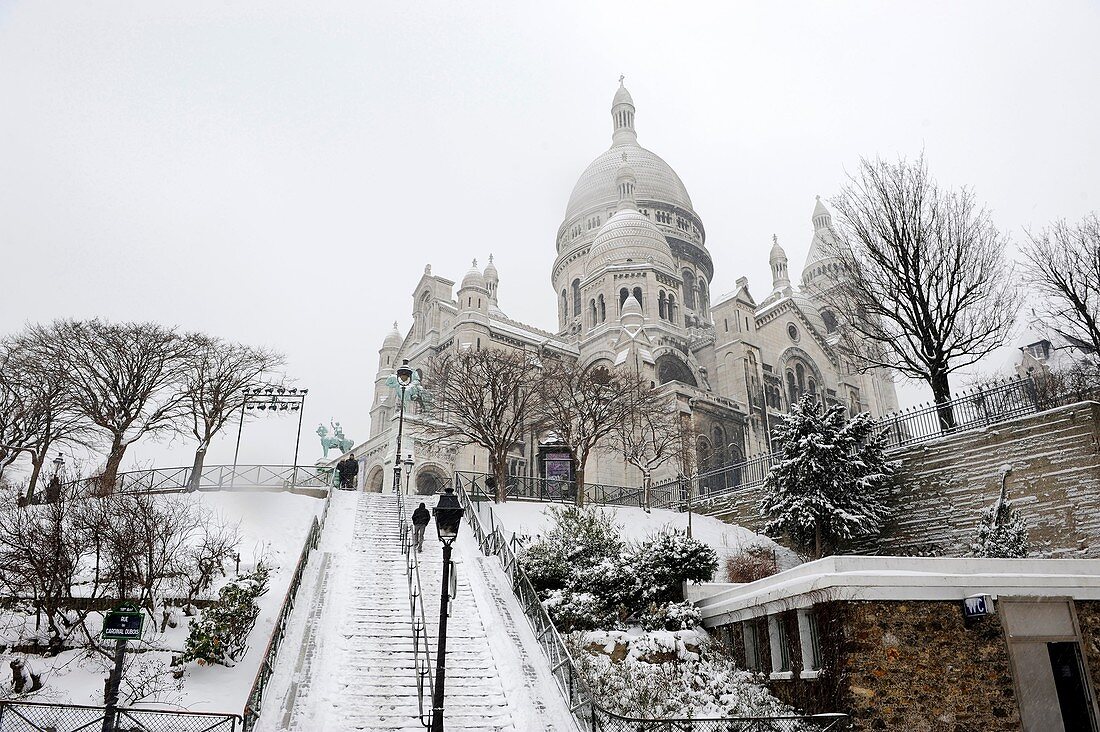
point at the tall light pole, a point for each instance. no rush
(274, 399)
(404, 378)
(448, 515)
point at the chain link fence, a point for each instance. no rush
(35, 717)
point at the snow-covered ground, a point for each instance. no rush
(526, 518)
(272, 527)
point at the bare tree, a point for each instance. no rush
(583, 405)
(34, 369)
(922, 281)
(647, 439)
(126, 380)
(1063, 265)
(212, 386)
(484, 397)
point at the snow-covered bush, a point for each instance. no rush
(588, 577)
(221, 634)
(671, 616)
(710, 685)
(1002, 533)
(665, 561)
(831, 482)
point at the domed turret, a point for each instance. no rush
(622, 115)
(393, 339)
(492, 279)
(473, 278)
(632, 312)
(781, 278)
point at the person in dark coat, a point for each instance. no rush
(421, 517)
(348, 468)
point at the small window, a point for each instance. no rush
(780, 650)
(810, 642)
(753, 639)
(792, 331)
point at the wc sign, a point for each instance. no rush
(977, 606)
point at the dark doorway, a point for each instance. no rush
(1069, 680)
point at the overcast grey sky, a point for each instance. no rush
(281, 173)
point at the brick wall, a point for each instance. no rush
(948, 483)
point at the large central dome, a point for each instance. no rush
(656, 180)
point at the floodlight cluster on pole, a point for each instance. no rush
(270, 398)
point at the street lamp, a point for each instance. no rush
(448, 516)
(408, 470)
(58, 464)
(404, 378)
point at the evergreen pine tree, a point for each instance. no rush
(1002, 533)
(830, 483)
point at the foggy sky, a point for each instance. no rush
(280, 173)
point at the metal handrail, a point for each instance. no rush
(217, 477)
(423, 670)
(40, 717)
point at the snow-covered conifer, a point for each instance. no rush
(1002, 533)
(830, 482)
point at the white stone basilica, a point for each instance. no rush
(632, 281)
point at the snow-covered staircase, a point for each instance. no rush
(349, 662)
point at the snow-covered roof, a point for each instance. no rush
(895, 578)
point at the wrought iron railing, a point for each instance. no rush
(218, 477)
(422, 655)
(479, 486)
(267, 664)
(36, 717)
(590, 716)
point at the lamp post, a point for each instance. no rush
(53, 490)
(448, 515)
(404, 378)
(274, 399)
(408, 463)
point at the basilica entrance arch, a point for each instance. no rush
(430, 480)
(671, 368)
(373, 483)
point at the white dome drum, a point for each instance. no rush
(628, 236)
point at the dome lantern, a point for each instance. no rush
(622, 116)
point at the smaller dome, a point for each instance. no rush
(622, 96)
(491, 270)
(777, 252)
(473, 278)
(628, 235)
(632, 312)
(393, 338)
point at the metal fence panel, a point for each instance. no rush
(37, 717)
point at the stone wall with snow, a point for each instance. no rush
(1050, 462)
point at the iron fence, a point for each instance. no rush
(267, 663)
(478, 486)
(218, 477)
(589, 715)
(422, 655)
(36, 717)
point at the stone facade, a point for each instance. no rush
(632, 283)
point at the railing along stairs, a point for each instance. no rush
(422, 655)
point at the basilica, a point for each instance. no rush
(633, 282)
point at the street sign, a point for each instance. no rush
(978, 605)
(123, 623)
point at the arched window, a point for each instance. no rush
(638, 297)
(671, 307)
(800, 377)
(811, 387)
(719, 437)
(792, 388)
(595, 315)
(603, 310)
(704, 454)
(830, 320)
(689, 289)
(623, 295)
(661, 305)
(704, 298)
(564, 306)
(576, 298)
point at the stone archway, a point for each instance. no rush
(375, 480)
(429, 481)
(672, 368)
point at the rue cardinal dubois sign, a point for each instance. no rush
(123, 623)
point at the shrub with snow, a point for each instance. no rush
(706, 685)
(221, 635)
(1002, 533)
(752, 562)
(671, 616)
(588, 577)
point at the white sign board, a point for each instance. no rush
(978, 605)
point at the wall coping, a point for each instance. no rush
(855, 578)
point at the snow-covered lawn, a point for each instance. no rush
(526, 518)
(272, 527)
